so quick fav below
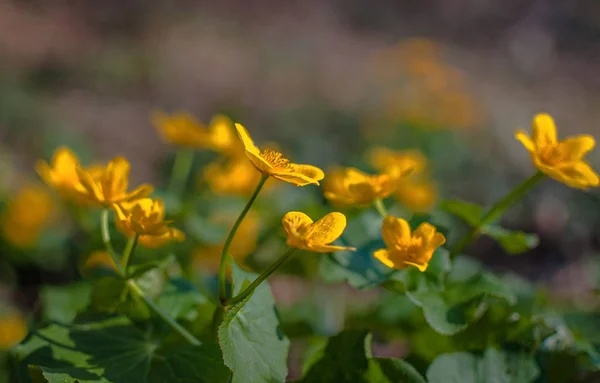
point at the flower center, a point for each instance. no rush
(409, 248)
(275, 159)
(551, 155)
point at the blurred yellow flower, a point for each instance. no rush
(303, 233)
(183, 129)
(108, 186)
(415, 191)
(350, 186)
(561, 160)
(13, 329)
(406, 248)
(236, 176)
(272, 163)
(26, 216)
(99, 259)
(244, 243)
(145, 217)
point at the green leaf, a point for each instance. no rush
(513, 242)
(116, 352)
(63, 303)
(136, 271)
(468, 212)
(253, 346)
(494, 365)
(389, 370)
(180, 299)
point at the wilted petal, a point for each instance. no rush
(544, 130)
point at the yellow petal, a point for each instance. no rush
(525, 140)
(421, 266)
(383, 255)
(116, 178)
(141, 191)
(316, 248)
(64, 158)
(297, 179)
(578, 175)
(437, 241)
(425, 231)
(309, 171)
(327, 229)
(294, 220)
(576, 147)
(544, 130)
(45, 172)
(394, 230)
(90, 186)
(246, 140)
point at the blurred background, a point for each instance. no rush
(324, 79)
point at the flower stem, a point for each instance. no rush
(182, 165)
(380, 207)
(497, 210)
(172, 323)
(106, 240)
(128, 253)
(236, 225)
(265, 274)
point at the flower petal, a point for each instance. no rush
(421, 266)
(246, 140)
(544, 130)
(309, 171)
(577, 147)
(578, 175)
(393, 230)
(115, 180)
(383, 255)
(326, 230)
(294, 220)
(294, 178)
(525, 140)
(316, 248)
(91, 189)
(141, 191)
(425, 231)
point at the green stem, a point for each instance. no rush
(172, 323)
(236, 225)
(106, 240)
(265, 274)
(380, 207)
(182, 165)
(497, 210)
(128, 252)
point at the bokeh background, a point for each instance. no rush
(326, 80)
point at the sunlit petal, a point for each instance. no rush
(544, 130)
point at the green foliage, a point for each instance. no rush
(253, 346)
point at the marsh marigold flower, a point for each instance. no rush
(145, 217)
(182, 129)
(404, 248)
(109, 185)
(273, 164)
(13, 329)
(236, 176)
(26, 216)
(303, 233)
(561, 160)
(418, 195)
(350, 186)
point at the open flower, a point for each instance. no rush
(272, 163)
(109, 186)
(303, 233)
(145, 217)
(406, 248)
(13, 329)
(561, 160)
(350, 186)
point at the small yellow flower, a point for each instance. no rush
(561, 160)
(417, 195)
(405, 248)
(99, 259)
(244, 243)
(350, 186)
(26, 216)
(236, 176)
(272, 163)
(108, 186)
(145, 217)
(303, 233)
(13, 329)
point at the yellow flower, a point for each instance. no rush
(272, 163)
(561, 160)
(99, 259)
(108, 186)
(397, 163)
(303, 233)
(182, 129)
(27, 215)
(13, 329)
(236, 176)
(405, 248)
(244, 243)
(350, 186)
(417, 195)
(145, 217)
